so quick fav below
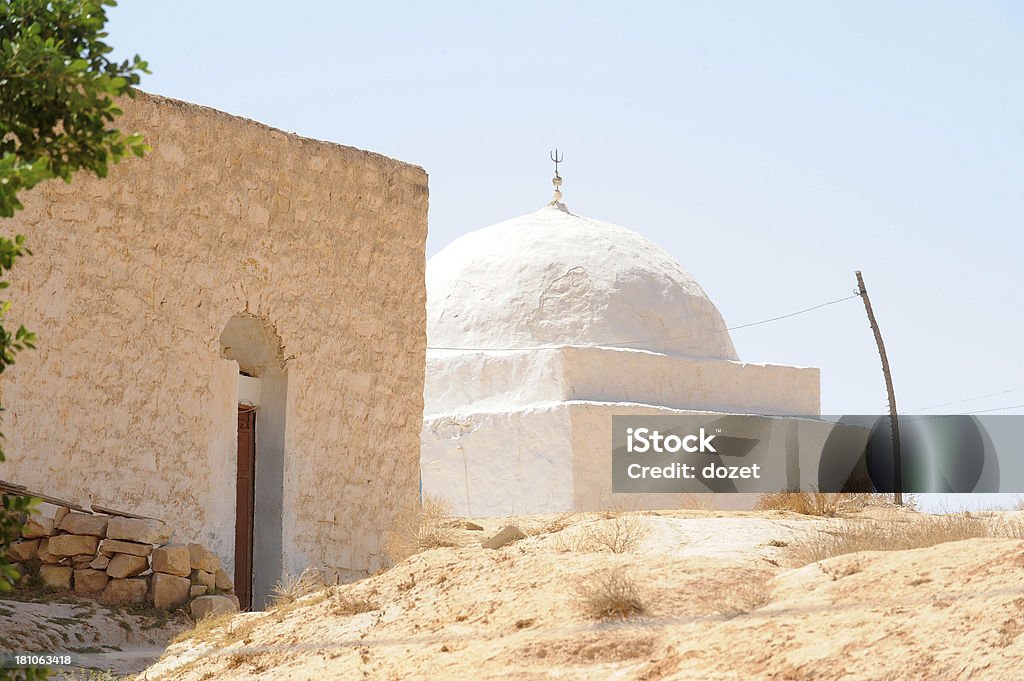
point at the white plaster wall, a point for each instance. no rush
(558, 458)
(249, 388)
(127, 402)
(495, 381)
(492, 381)
(619, 375)
(220, 469)
(500, 463)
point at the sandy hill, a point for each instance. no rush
(723, 596)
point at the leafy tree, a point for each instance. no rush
(58, 92)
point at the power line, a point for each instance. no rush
(985, 411)
(968, 399)
(929, 417)
(658, 340)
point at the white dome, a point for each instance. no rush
(552, 278)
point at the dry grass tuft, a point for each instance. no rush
(290, 588)
(428, 527)
(805, 503)
(917, 533)
(220, 630)
(204, 628)
(609, 595)
(556, 524)
(345, 606)
(621, 533)
(828, 504)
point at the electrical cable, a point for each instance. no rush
(967, 399)
(668, 338)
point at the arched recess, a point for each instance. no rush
(254, 346)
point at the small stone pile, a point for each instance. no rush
(120, 560)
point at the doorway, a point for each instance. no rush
(252, 345)
(245, 491)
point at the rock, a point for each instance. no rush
(142, 530)
(100, 562)
(83, 523)
(82, 561)
(471, 526)
(222, 581)
(211, 606)
(507, 535)
(44, 554)
(59, 514)
(174, 559)
(23, 551)
(234, 600)
(197, 590)
(72, 544)
(111, 546)
(207, 579)
(36, 527)
(203, 559)
(170, 591)
(126, 565)
(124, 591)
(89, 582)
(56, 576)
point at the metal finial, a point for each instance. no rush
(557, 179)
(557, 158)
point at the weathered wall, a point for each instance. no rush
(558, 457)
(132, 282)
(497, 380)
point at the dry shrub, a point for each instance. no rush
(220, 629)
(344, 606)
(556, 524)
(609, 595)
(739, 597)
(290, 588)
(828, 504)
(917, 533)
(621, 533)
(616, 533)
(428, 527)
(805, 503)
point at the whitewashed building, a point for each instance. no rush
(542, 327)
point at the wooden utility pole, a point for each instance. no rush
(893, 418)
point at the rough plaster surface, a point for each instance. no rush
(500, 380)
(128, 403)
(555, 278)
(557, 458)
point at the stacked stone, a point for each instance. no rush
(121, 560)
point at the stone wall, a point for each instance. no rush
(129, 402)
(120, 561)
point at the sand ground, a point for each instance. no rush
(119, 640)
(727, 596)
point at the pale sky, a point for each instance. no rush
(771, 147)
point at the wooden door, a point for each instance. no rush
(244, 492)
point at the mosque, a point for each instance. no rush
(539, 330)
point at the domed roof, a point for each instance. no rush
(551, 278)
